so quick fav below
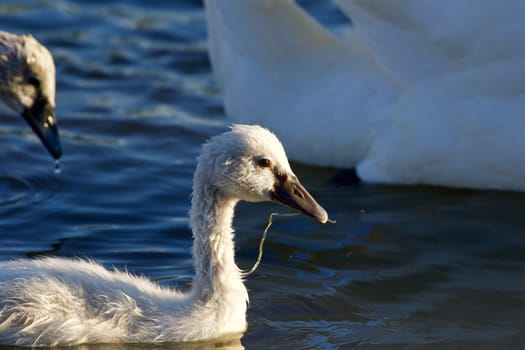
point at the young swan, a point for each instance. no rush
(27, 85)
(56, 301)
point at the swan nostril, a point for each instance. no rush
(298, 193)
(282, 176)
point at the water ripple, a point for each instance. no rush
(14, 190)
(18, 190)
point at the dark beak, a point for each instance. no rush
(41, 118)
(290, 192)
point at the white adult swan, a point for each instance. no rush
(55, 301)
(418, 92)
(27, 85)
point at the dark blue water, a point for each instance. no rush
(403, 268)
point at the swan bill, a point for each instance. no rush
(292, 194)
(41, 118)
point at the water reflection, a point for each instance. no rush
(227, 343)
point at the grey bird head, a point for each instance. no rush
(27, 86)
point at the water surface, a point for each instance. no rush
(403, 268)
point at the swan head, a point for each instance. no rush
(27, 85)
(249, 163)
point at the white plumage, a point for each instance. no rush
(418, 92)
(57, 301)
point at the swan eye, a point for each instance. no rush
(264, 162)
(34, 81)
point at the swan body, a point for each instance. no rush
(418, 92)
(27, 86)
(56, 301)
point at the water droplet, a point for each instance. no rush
(57, 167)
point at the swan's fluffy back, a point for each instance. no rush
(60, 301)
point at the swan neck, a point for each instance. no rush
(216, 273)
